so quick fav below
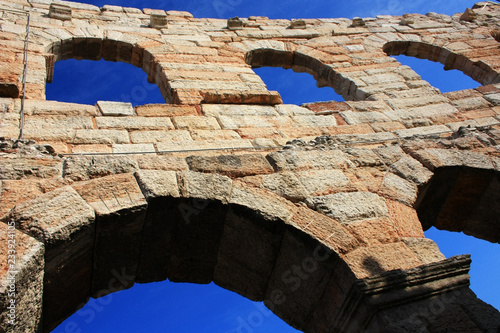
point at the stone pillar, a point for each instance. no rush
(429, 298)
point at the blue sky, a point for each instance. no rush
(182, 308)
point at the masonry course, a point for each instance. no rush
(323, 203)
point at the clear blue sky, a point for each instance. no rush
(182, 308)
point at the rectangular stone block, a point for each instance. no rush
(304, 160)
(195, 122)
(115, 108)
(159, 136)
(101, 136)
(134, 123)
(350, 207)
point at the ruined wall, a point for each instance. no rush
(318, 210)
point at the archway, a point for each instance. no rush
(477, 70)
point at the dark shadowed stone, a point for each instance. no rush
(300, 275)
(247, 253)
(120, 213)
(64, 222)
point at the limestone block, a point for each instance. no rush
(205, 186)
(134, 123)
(157, 183)
(165, 110)
(353, 118)
(139, 148)
(493, 98)
(235, 122)
(88, 167)
(27, 273)
(410, 169)
(46, 108)
(189, 146)
(377, 259)
(399, 189)
(292, 110)
(159, 136)
(115, 108)
(214, 135)
(163, 162)
(374, 231)
(363, 157)
(285, 184)
(231, 165)
(158, 20)
(304, 160)
(322, 182)
(215, 110)
(349, 207)
(425, 249)
(324, 229)
(195, 122)
(60, 12)
(18, 168)
(64, 222)
(315, 121)
(271, 207)
(104, 136)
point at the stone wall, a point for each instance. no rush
(318, 210)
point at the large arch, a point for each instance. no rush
(478, 70)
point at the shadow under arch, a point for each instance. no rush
(477, 70)
(299, 62)
(113, 50)
(183, 238)
(462, 199)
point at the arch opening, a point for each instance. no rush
(460, 210)
(190, 240)
(96, 49)
(477, 70)
(299, 62)
(124, 83)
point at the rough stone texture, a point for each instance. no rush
(27, 272)
(225, 183)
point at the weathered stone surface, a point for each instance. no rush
(349, 207)
(322, 182)
(231, 165)
(24, 279)
(425, 249)
(303, 160)
(158, 183)
(105, 136)
(285, 184)
(376, 259)
(64, 222)
(115, 108)
(87, 167)
(205, 186)
(18, 168)
(397, 188)
(410, 169)
(134, 123)
(120, 214)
